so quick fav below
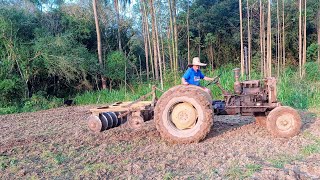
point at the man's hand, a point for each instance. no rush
(184, 82)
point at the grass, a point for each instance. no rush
(118, 149)
(6, 162)
(168, 176)
(292, 91)
(242, 172)
(281, 160)
(311, 148)
(54, 158)
(92, 169)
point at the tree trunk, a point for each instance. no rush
(264, 46)
(261, 39)
(249, 39)
(199, 45)
(241, 39)
(283, 38)
(269, 54)
(175, 31)
(116, 6)
(154, 40)
(211, 54)
(103, 79)
(188, 34)
(163, 52)
(318, 24)
(145, 38)
(169, 48)
(300, 40)
(158, 48)
(278, 40)
(304, 39)
(171, 35)
(149, 40)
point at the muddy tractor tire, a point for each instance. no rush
(184, 114)
(283, 122)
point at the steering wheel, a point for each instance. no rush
(215, 80)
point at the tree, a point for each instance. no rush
(188, 34)
(283, 38)
(154, 39)
(249, 39)
(318, 27)
(145, 33)
(117, 8)
(278, 41)
(241, 39)
(269, 50)
(262, 45)
(210, 40)
(304, 39)
(300, 39)
(94, 6)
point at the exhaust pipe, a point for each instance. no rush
(237, 84)
(246, 62)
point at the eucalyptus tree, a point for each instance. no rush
(96, 19)
(241, 39)
(283, 38)
(300, 38)
(318, 30)
(269, 49)
(210, 41)
(117, 7)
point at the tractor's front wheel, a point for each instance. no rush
(283, 122)
(183, 115)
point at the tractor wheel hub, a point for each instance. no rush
(184, 116)
(285, 122)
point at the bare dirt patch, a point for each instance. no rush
(56, 143)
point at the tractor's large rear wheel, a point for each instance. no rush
(283, 122)
(184, 115)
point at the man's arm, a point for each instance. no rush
(183, 81)
(208, 78)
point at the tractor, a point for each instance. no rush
(185, 113)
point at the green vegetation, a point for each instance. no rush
(292, 91)
(314, 148)
(48, 51)
(238, 172)
(7, 162)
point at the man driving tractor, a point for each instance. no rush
(193, 74)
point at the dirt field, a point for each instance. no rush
(56, 144)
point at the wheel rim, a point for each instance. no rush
(171, 127)
(285, 122)
(184, 116)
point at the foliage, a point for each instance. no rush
(39, 102)
(312, 52)
(300, 93)
(48, 51)
(115, 66)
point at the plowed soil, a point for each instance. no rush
(56, 144)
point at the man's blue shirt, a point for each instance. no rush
(193, 77)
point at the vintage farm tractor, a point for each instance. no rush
(184, 113)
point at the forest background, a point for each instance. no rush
(103, 51)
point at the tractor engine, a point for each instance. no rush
(250, 97)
